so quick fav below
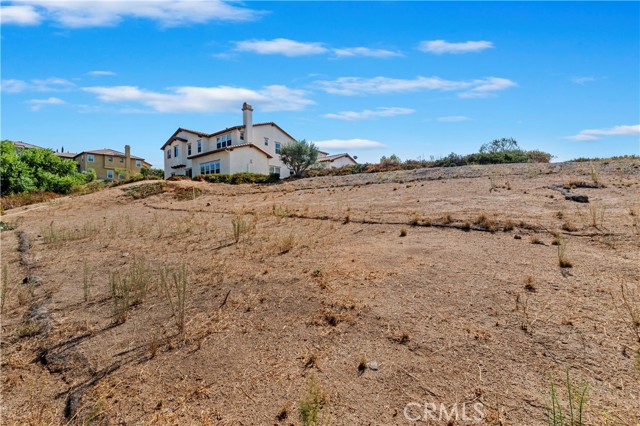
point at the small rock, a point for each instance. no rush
(517, 237)
(208, 204)
(372, 365)
(125, 254)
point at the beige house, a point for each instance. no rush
(110, 164)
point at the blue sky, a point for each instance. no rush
(417, 79)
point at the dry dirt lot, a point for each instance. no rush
(364, 293)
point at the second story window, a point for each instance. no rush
(169, 153)
(266, 141)
(138, 163)
(241, 136)
(188, 149)
(277, 147)
(90, 158)
(110, 159)
(223, 141)
(175, 151)
(199, 146)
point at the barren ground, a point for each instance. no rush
(470, 306)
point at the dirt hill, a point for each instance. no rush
(365, 298)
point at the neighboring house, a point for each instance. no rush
(247, 148)
(335, 161)
(24, 145)
(66, 155)
(110, 164)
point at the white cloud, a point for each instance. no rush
(486, 87)
(100, 13)
(37, 104)
(350, 86)
(281, 46)
(594, 134)
(99, 73)
(52, 84)
(19, 15)
(441, 46)
(349, 144)
(453, 118)
(367, 113)
(205, 99)
(365, 51)
(583, 79)
(13, 86)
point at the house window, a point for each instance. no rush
(241, 136)
(223, 141)
(109, 174)
(210, 168)
(188, 149)
(120, 176)
(169, 153)
(138, 163)
(266, 141)
(90, 158)
(175, 151)
(277, 147)
(199, 146)
(122, 160)
(274, 170)
(110, 159)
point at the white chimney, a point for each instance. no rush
(247, 122)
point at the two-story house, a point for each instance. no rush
(250, 147)
(110, 164)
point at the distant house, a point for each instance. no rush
(335, 161)
(247, 148)
(110, 164)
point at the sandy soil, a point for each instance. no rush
(438, 286)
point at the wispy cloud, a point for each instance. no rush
(440, 47)
(351, 86)
(594, 134)
(19, 15)
(367, 113)
(348, 52)
(291, 48)
(37, 104)
(102, 13)
(52, 84)
(281, 46)
(99, 73)
(453, 119)
(583, 79)
(205, 99)
(349, 144)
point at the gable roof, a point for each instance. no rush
(110, 153)
(24, 145)
(66, 154)
(231, 148)
(330, 158)
(175, 136)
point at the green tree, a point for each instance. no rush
(36, 169)
(299, 156)
(500, 145)
(393, 159)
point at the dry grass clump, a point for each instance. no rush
(186, 193)
(57, 235)
(563, 261)
(530, 284)
(145, 190)
(568, 226)
(174, 285)
(403, 232)
(129, 288)
(311, 405)
(536, 240)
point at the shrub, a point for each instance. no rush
(238, 178)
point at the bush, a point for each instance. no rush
(152, 173)
(37, 169)
(238, 178)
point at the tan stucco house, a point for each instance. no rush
(110, 164)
